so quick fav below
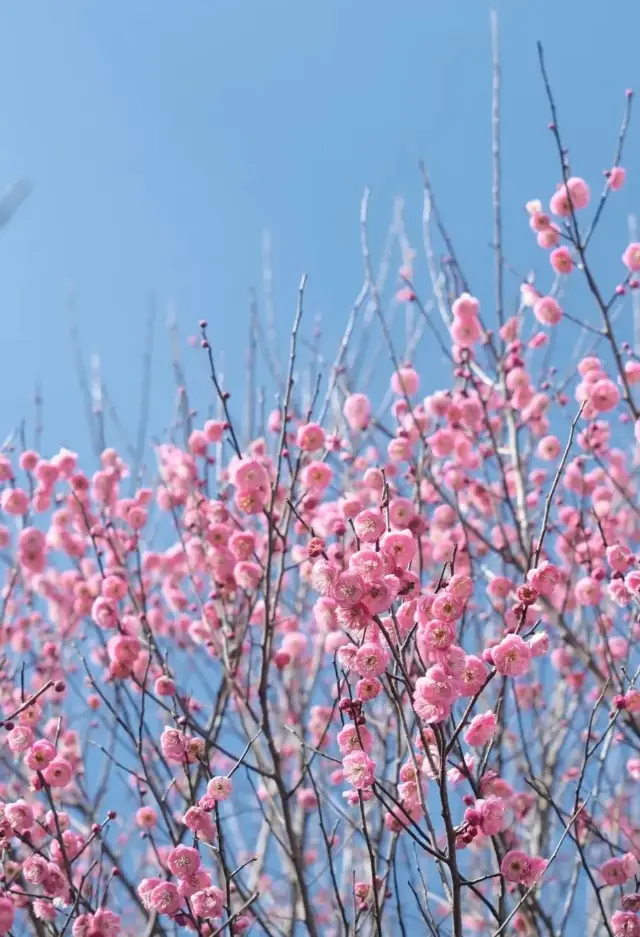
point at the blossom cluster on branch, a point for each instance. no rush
(369, 669)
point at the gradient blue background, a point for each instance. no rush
(164, 137)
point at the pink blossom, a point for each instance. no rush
(378, 595)
(431, 711)
(34, 869)
(405, 295)
(561, 260)
(104, 613)
(14, 501)
(618, 558)
(437, 635)
(446, 607)
(368, 564)
(473, 676)
(208, 903)
(146, 817)
(613, 872)
(437, 686)
(544, 578)
(632, 581)
(183, 861)
(619, 593)
(539, 644)
(492, 814)
(188, 885)
(559, 204)
(323, 577)
(630, 862)
(535, 871)
(400, 545)
(165, 686)
(310, 437)
(316, 476)
(249, 475)
(173, 744)
(632, 372)
(465, 333)
(20, 816)
(460, 587)
(352, 738)
(371, 660)
(368, 688)
(625, 924)
(58, 772)
(197, 819)
(346, 653)
(220, 788)
(631, 256)
(480, 729)
(549, 237)
(104, 923)
(348, 589)
(465, 308)
(357, 410)
(617, 177)
(54, 883)
(512, 657)
(20, 738)
(44, 910)
(405, 381)
(603, 395)
(515, 865)
(165, 898)
(40, 755)
(359, 770)
(369, 526)
(588, 591)
(547, 310)
(578, 192)
(145, 888)
(213, 430)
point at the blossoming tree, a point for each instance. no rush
(370, 670)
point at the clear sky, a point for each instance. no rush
(164, 136)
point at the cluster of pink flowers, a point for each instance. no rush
(430, 606)
(466, 330)
(194, 884)
(520, 869)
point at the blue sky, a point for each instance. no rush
(164, 137)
